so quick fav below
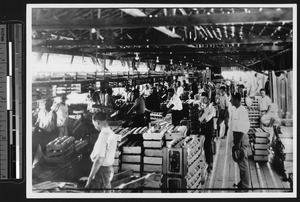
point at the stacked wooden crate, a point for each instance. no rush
(184, 167)
(152, 159)
(261, 145)
(121, 138)
(286, 137)
(196, 165)
(253, 113)
(132, 151)
(194, 117)
(156, 116)
(174, 133)
(67, 88)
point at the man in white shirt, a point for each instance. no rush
(102, 156)
(180, 89)
(175, 105)
(223, 111)
(240, 127)
(61, 110)
(264, 102)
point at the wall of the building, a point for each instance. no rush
(283, 93)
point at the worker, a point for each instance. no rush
(264, 102)
(45, 126)
(102, 156)
(152, 101)
(61, 109)
(174, 105)
(109, 100)
(207, 128)
(223, 111)
(240, 127)
(180, 89)
(185, 86)
(139, 107)
(194, 89)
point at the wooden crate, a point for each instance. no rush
(153, 152)
(153, 136)
(131, 158)
(134, 167)
(261, 152)
(261, 146)
(260, 158)
(153, 144)
(262, 140)
(153, 160)
(132, 150)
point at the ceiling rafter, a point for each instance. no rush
(246, 40)
(163, 29)
(266, 16)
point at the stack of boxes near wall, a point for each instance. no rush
(121, 138)
(119, 135)
(194, 118)
(196, 165)
(66, 89)
(261, 145)
(254, 118)
(174, 133)
(287, 140)
(152, 159)
(184, 166)
(132, 151)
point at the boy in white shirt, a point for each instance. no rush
(102, 156)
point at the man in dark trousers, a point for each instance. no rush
(174, 105)
(223, 113)
(207, 128)
(139, 107)
(194, 89)
(240, 127)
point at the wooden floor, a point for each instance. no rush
(225, 172)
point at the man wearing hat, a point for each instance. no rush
(102, 156)
(207, 128)
(240, 127)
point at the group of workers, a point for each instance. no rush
(213, 104)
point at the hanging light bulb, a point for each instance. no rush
(171, 61)
(137, 56)
(157, 59)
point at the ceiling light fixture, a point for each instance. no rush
(137, 56)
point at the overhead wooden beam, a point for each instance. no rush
(243, 66)
(160, 50)
(265, 16)
(166, 42)
(138, 13)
